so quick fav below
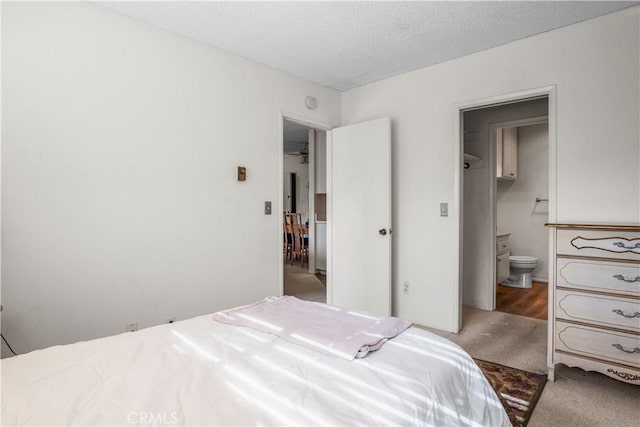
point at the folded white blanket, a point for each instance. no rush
(318, 326)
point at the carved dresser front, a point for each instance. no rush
(594, 299)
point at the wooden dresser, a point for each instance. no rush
(594, 299)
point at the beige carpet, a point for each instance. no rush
(576, 398)
(299, 283)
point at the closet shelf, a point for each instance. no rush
(470, 159)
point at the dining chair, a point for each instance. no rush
(295, 244)
(287, 238)
(301, 243)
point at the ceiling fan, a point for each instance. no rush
(303, 154)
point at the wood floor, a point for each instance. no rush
(525, 302)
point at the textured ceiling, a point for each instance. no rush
(347, 44)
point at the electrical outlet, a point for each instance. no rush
(405, 288)
(170, 319)
(132, 327)
(267, 208)
(444, 209)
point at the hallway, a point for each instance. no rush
(300, 283)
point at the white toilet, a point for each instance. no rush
(521, 268)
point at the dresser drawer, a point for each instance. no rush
(598, 243)
(606, 311)
(612, 346)
(601, 276)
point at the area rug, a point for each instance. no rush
(518, 390)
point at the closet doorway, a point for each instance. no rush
(304, 211)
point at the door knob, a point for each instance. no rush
(382, 231)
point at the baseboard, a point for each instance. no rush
(481, 305)
(534, 279)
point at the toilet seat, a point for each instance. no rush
(523, 260)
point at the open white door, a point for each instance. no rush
(359, 204)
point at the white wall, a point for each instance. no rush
(478, 235)
(292, 165)
(120, 143)
(517, 210)
(595, 66)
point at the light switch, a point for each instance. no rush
(267, 208)
(444, 209)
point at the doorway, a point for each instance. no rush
(481, 195)
(357, 198)
(304, 211)
(521, 200)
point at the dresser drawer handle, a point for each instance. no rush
(621, 277)
(623, 246)
(620, 347)
(628, 316)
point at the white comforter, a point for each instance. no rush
(201, 372)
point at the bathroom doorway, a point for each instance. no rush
(505, 204)
(521, 285)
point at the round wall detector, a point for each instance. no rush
(311, 102)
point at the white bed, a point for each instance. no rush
(201, 372)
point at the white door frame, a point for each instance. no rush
(311, 135)
(458, 150)
(315, 125)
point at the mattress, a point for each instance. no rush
(201, 372)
